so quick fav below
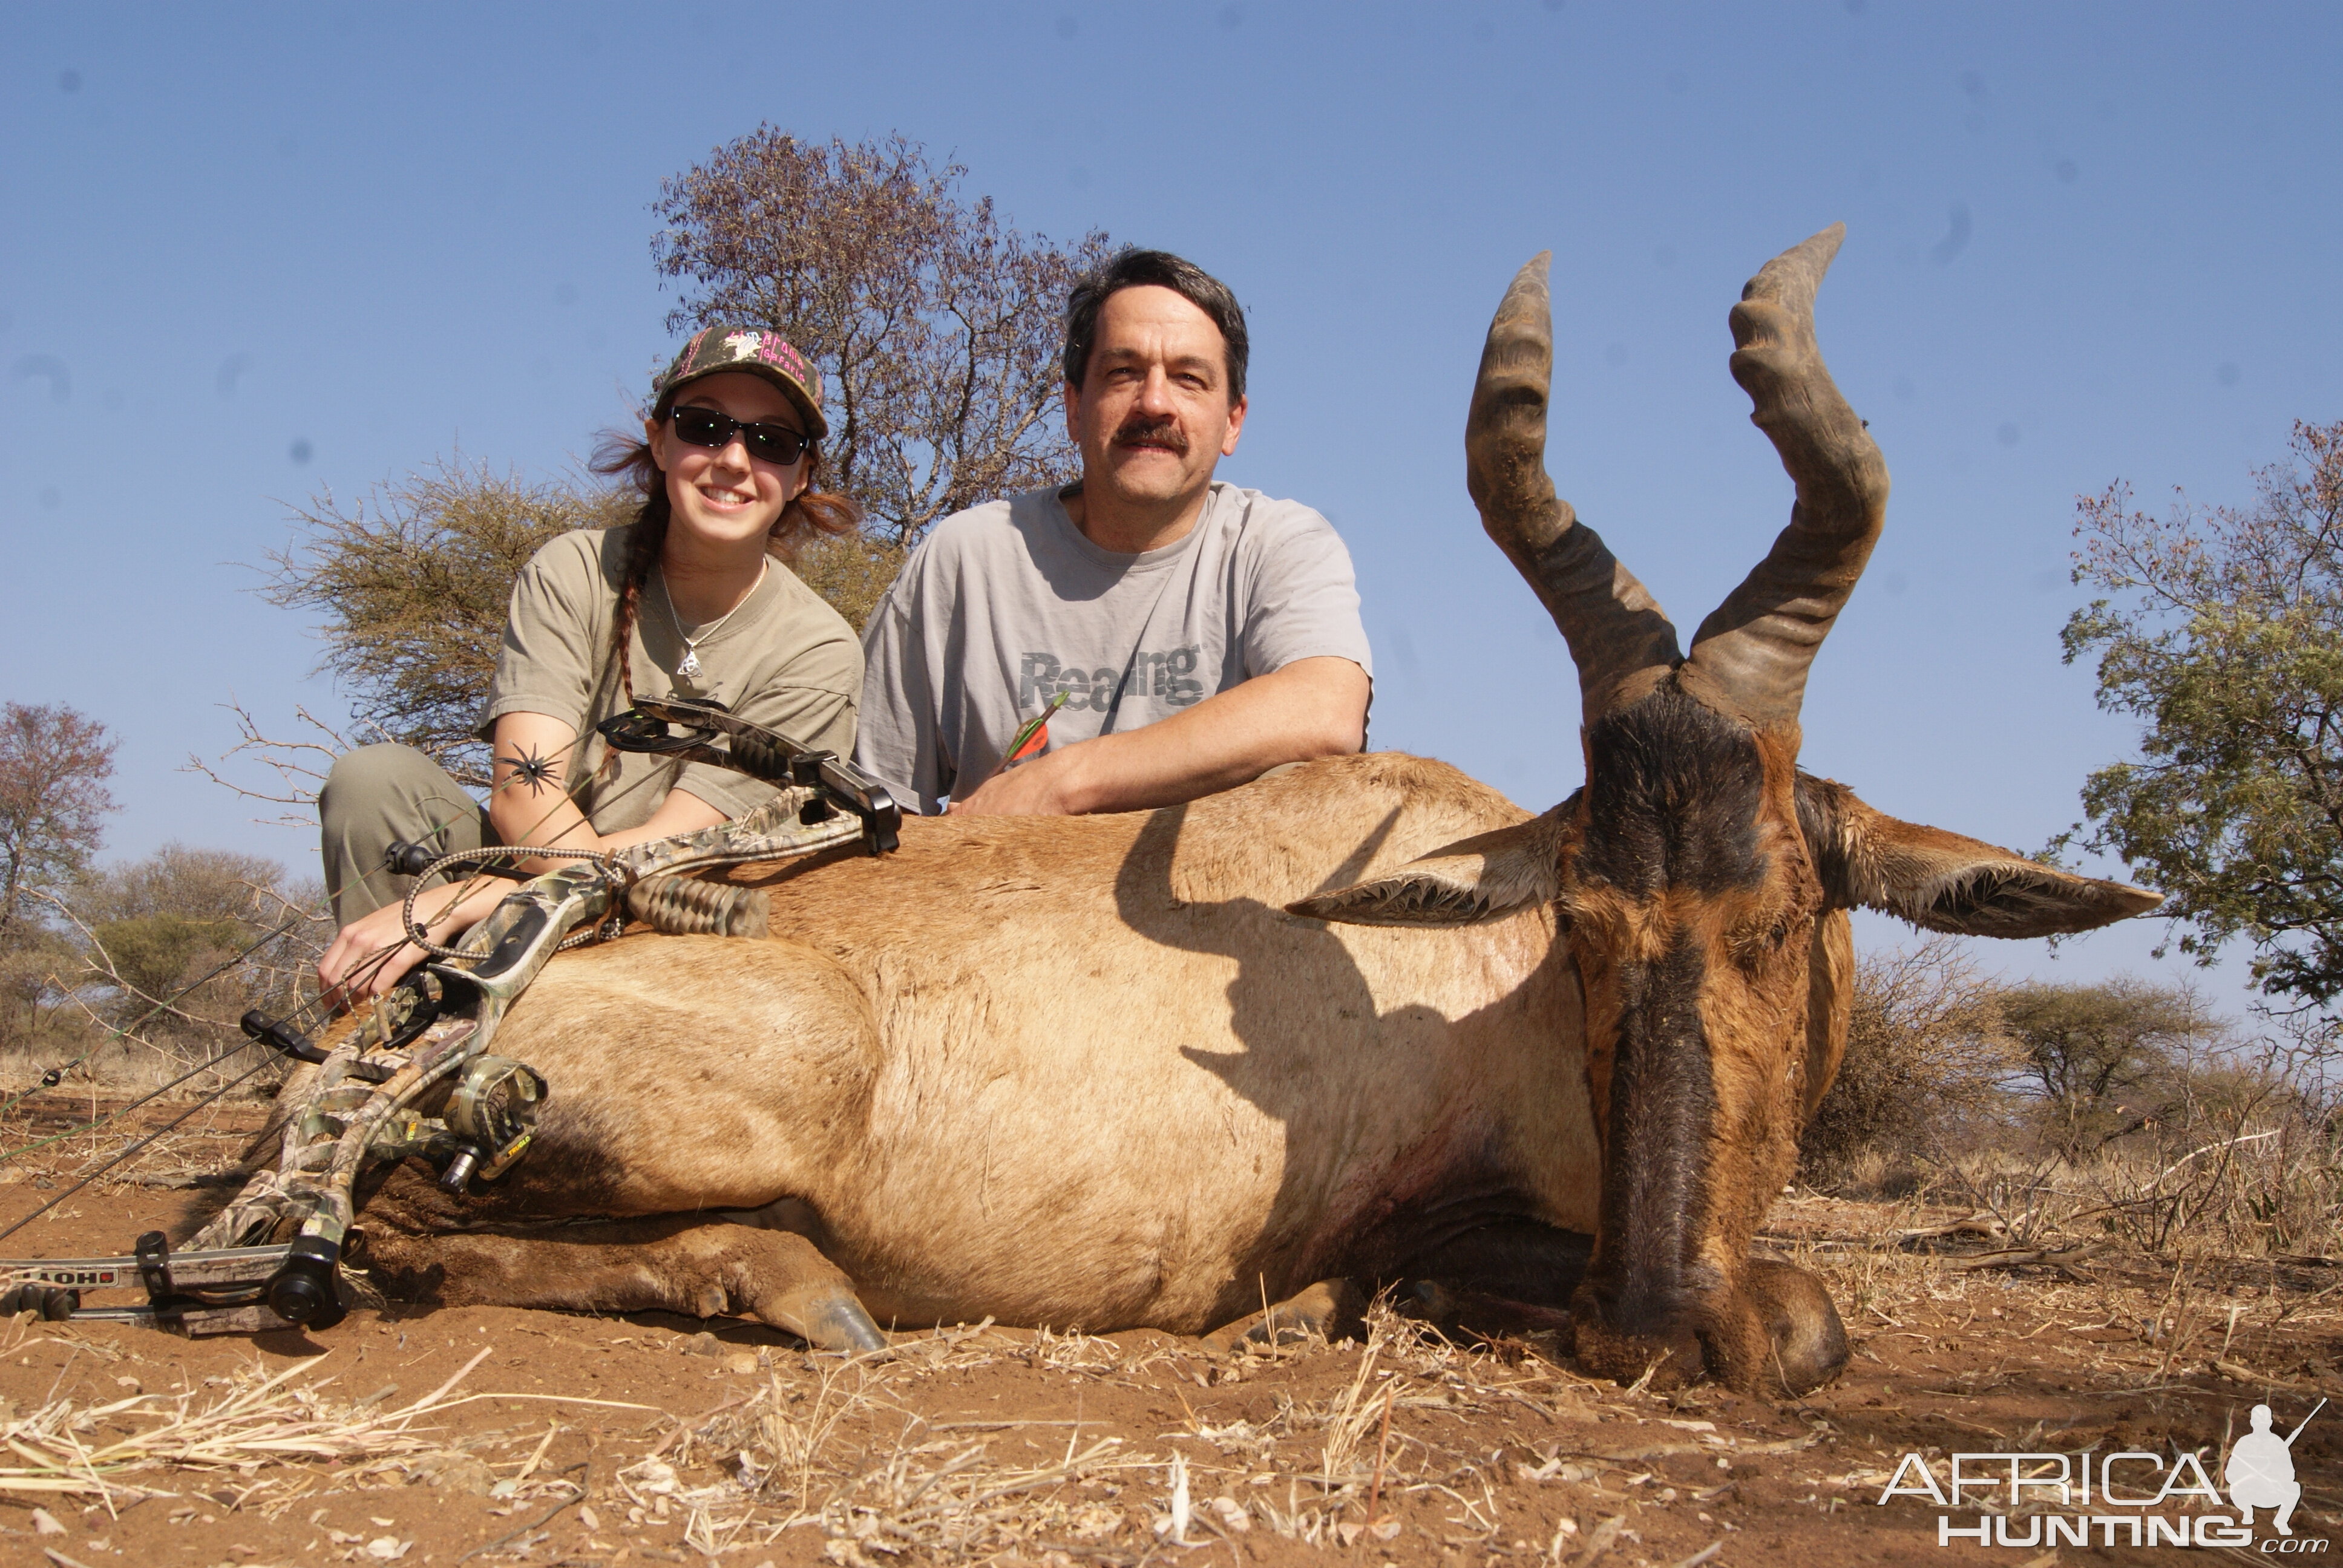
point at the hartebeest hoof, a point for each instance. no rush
(1777, 1332)
(828, 1317)
(1331, 1309)
(675, 1263)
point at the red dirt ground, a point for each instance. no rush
(581, 1440)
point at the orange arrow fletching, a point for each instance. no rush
(1034, 733)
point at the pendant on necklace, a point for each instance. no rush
(690, 666)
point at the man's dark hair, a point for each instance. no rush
(1135, 269)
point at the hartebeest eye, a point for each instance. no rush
(1770, 924)
(1755, 944)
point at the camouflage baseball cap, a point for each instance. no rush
(753, 350)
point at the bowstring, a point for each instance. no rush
(204, 1065)
(366, 969)
(168, 1003)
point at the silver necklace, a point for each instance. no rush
(689, 668)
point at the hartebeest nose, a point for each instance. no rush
(1773, 1326)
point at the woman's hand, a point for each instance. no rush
(349, 962)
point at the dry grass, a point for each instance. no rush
(2152, 1319)
(69, 1136)
(268, 1431)
(2267, 1188)
(842, 1448)
(1109, 1449)
(845, 1450)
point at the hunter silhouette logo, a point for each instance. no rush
(2260, 1472)
(2134, 1497)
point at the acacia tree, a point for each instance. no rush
(2103, 1061)
(2226, 639)
(937, 329)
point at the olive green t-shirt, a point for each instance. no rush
(784, 659)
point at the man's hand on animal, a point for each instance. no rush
(1311, 708)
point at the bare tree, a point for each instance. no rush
(54, 765)
(937, 328)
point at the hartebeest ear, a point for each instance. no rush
(1478, 878)
(1941, 881)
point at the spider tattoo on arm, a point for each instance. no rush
(534, 768)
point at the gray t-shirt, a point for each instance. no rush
(784, 659)
(1005, 605)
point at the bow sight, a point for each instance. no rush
(416, 1076)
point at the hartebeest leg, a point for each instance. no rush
(1330, 1307)
(675, 1263)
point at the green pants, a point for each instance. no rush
(380, 795)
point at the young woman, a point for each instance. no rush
(693, 598)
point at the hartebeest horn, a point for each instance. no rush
(1619, 637)
(1755, 650)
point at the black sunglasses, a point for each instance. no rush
(776, 444)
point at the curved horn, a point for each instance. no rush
(1616, 630)
(1755, 649)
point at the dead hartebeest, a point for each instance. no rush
(1363, 1019)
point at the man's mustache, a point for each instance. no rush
(1165, 433)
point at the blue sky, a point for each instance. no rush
(257, 253)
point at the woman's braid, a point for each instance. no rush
(645, 540)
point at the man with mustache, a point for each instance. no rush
(1173, 635)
